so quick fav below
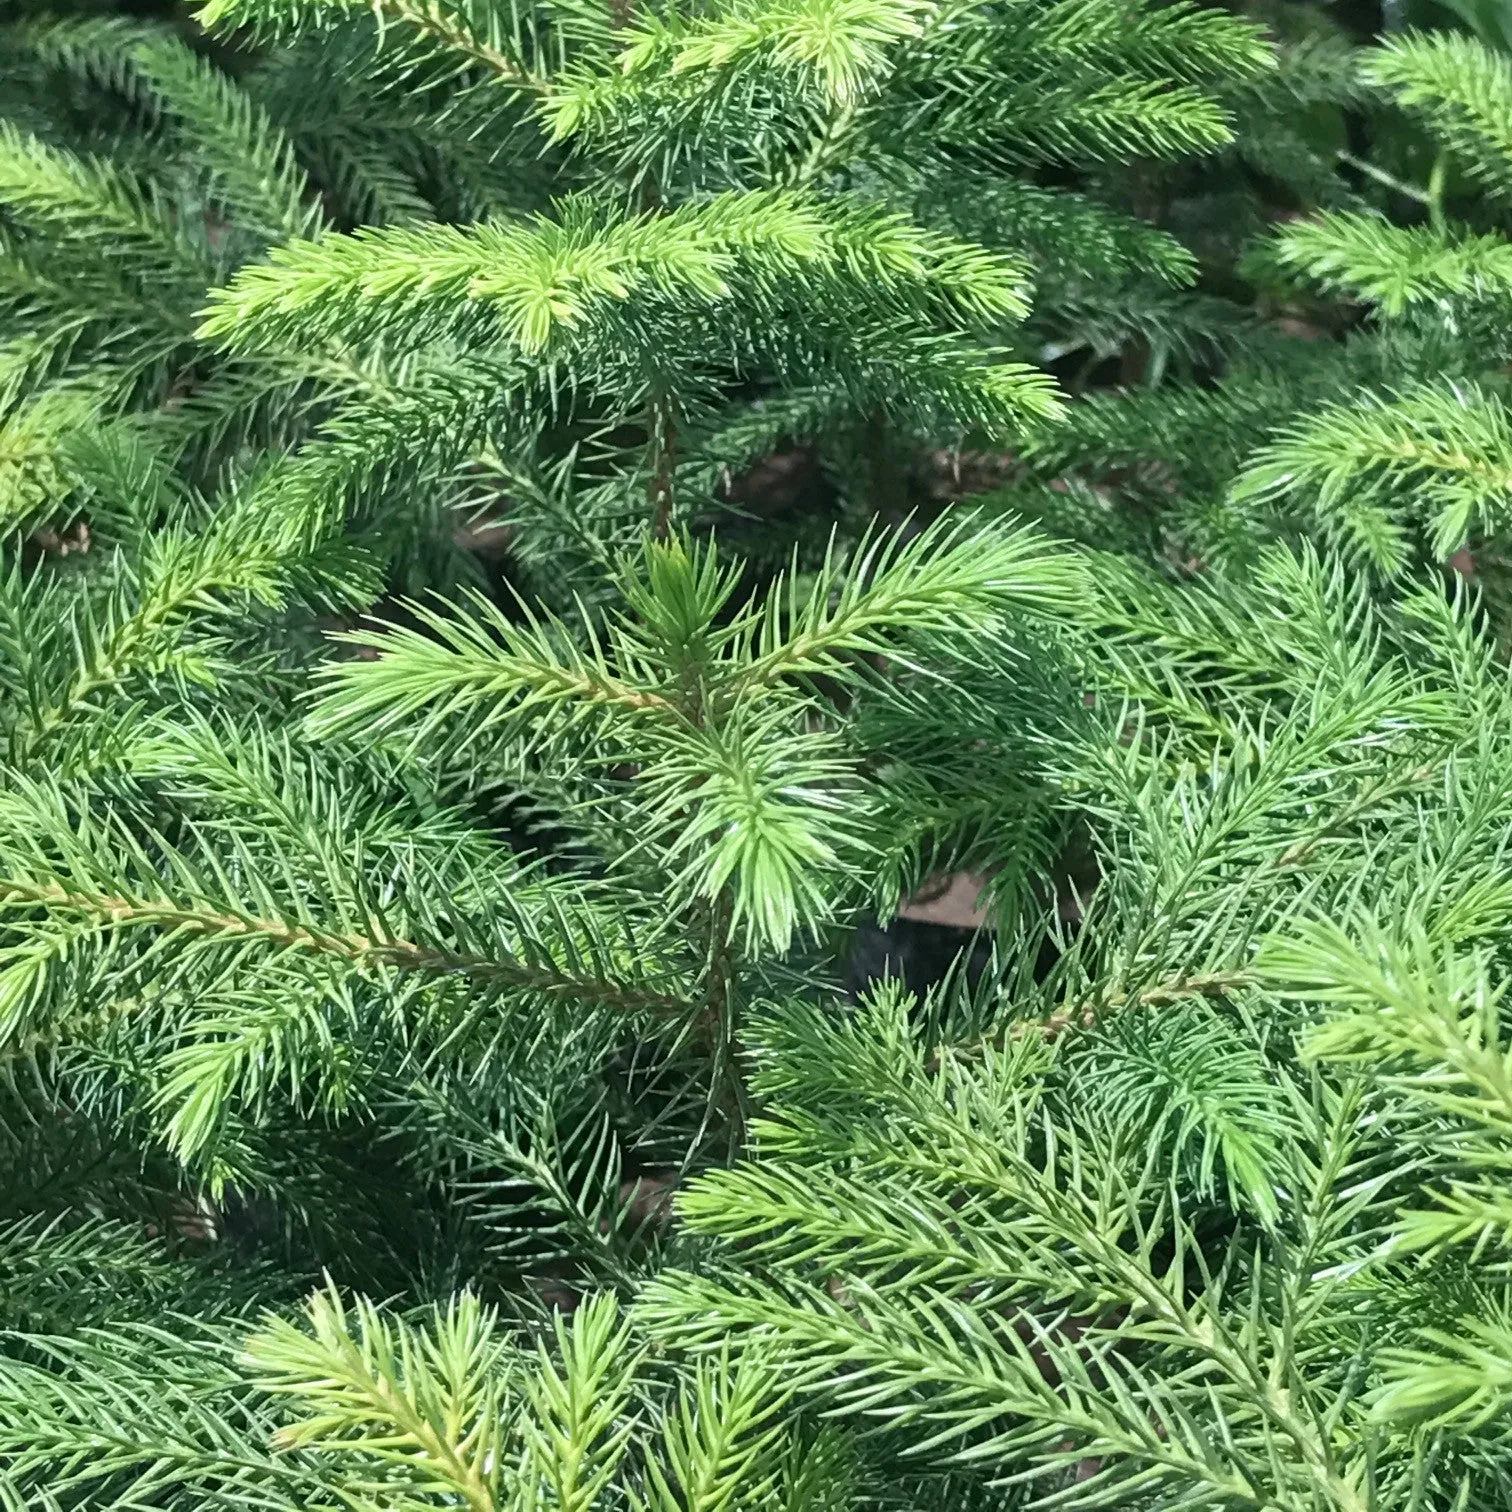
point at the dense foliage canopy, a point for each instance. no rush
(525, 522)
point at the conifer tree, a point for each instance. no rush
(430, 322)
(426, 1080)
(1386, 444)
(725, 188)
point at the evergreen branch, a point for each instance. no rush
(430, 1404)
(251, 165)
(749, 806)
(93, 49)
(948, 579)
(538, 276)
(158, 1406)
(1134, 1200)
(1461, 1381)
(249, 549)
(445, 23)
(92, 205)
(1181, 41)
(44, 1265)
(440, 22)
(219, 925)
(1086, 1013)
(1047, 120)
(995, 1226)
(1461, 90)
(719, 1443)
(845, 44)
(1072, 239)
(1397, 267)
(513, 673)
(1185, 1080)
(938, 1371)
(1441, 1012)
(35, 479)
(548, 276)
(582, 1416)
(1450, 442)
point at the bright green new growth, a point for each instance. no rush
(427, 1082)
